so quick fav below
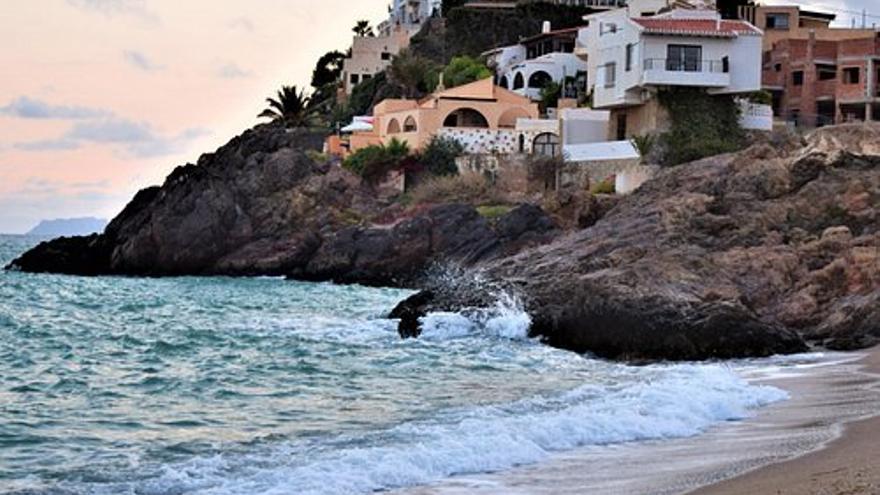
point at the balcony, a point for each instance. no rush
(695, 73)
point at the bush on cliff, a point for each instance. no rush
(471, 188)
(463, 70)
(373, 163)
(439, 156)
(701, 125)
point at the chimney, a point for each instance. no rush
(546, 28)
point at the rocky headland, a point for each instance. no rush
(748, 254)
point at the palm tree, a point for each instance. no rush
(291, 106)
(363, 29)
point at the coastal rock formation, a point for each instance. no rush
(736, 255)
(746, 254)
(262, 206)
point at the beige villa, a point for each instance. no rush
(482, 116)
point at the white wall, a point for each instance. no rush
(584, 125)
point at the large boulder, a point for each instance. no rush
(745, 254)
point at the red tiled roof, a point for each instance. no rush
(705, 27)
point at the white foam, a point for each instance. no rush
(505, 319)
(667, 402)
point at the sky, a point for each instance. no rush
(101, 98)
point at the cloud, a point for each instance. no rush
(30, 108)
(48, 145)
(130, 138)
(140, 61)
(114, 8)
(242, 23)
(233, 71)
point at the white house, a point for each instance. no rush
(630, 59)
(529, 66)
(409, 15)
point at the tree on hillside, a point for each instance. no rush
(328, 69)
(464, 69)
(416, 75)
(291, 106)
(363, 29)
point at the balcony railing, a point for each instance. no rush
(695, 73)
(675, 65)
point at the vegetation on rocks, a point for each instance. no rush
(439, 155)
(463, 70)
(701, 125)
(373, 163)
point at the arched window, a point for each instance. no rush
(393, 126)
(504, 83)
(508, 118)
(519, 81)
(522, 143)
(409, 125)
(539, 79)
(465, 117)
(546, 144)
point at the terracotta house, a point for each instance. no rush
(475, 111)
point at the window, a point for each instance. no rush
(519, 81)
(851, 75)
(366, 77)
(685, 58)
(355, 78)
(826, 73)
(797, 78)
(777, 21)
(629, 56)
(725, 65)
(610, 75)
(386, 56)
(546, 144)
(777, 67)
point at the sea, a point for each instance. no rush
(243, 386)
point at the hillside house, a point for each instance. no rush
(529, 66)
(371, 55)
(480, 115)
(631, 59)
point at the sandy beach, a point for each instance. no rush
(848, 465)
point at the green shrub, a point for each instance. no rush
(701, 125)
(471, 188)
(492, 212)
(373, 163)
(439, 156)
(607, 186)
(761, 98)
(550, 95)
(644, 144)
(463, 70)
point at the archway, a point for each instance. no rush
(546, 144)
(519, 81)
(508, 119)
(504, 83)
(539, 80)
(409, 125)
(465, 117)
(393, 126)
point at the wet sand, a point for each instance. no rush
(848, 465)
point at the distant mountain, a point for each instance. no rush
(69, 227)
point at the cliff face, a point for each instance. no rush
(746, 254)
(261, 206)
(736, 255)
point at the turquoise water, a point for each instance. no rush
(244, 386)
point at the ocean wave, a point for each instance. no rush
(505, 319)
(668, 402)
